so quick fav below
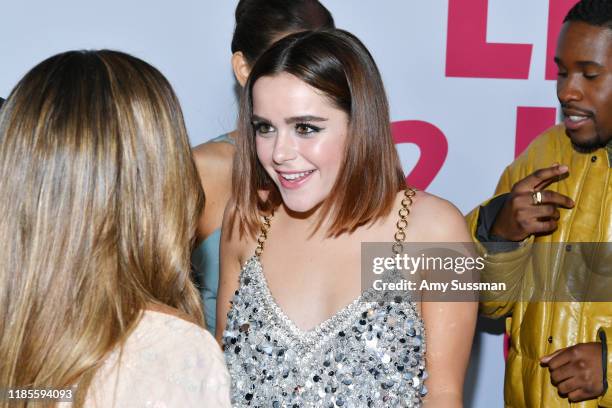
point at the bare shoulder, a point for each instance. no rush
(236, 247)
(212, 158)
(235, 250)
(435, 219)
(429, 205)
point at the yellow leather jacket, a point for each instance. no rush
(539, 328)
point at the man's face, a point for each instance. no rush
(584, 84)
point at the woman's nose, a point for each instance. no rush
(284, 148)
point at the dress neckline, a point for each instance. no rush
(318, 334)
(307, 342)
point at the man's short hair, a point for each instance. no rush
(593, 12)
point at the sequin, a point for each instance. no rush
(371, 353)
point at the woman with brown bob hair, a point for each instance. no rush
(316, 175)
(259, 23)
(100, 199)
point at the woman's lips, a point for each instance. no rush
(293, 180)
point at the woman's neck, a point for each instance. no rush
(307, 221)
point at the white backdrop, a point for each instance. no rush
(189, 41)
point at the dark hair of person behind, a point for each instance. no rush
(593, 12)
(336, 63)
(1, 102)
(260, 22)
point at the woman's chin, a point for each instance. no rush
(301, 209)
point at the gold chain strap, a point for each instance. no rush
(400, 234)
(402, 223)
(261, 239)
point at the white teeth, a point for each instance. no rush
(575, 118)
(295, 176)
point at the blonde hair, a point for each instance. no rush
(100, 199)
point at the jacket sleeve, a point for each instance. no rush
(605, 335)
(504, 267)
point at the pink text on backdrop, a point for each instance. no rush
(433, 146)
(469, 55)
(531, 122)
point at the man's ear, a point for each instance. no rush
(241, 67)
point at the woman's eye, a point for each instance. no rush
(590, 75)
(263, 128)
(306, 129)
(561, 74)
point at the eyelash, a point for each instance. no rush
(263, 129)
(311, 128)
(585, 75)
(259, 126)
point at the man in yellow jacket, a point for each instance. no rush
(558, 192)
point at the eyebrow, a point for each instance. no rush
(259, 119)
(293, 119)
(581, 63)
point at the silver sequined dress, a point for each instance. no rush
(370, 354)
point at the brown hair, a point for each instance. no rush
(100, 201)
(338, 64)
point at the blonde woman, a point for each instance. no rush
(99, 199)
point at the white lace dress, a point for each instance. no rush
(166, 362)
